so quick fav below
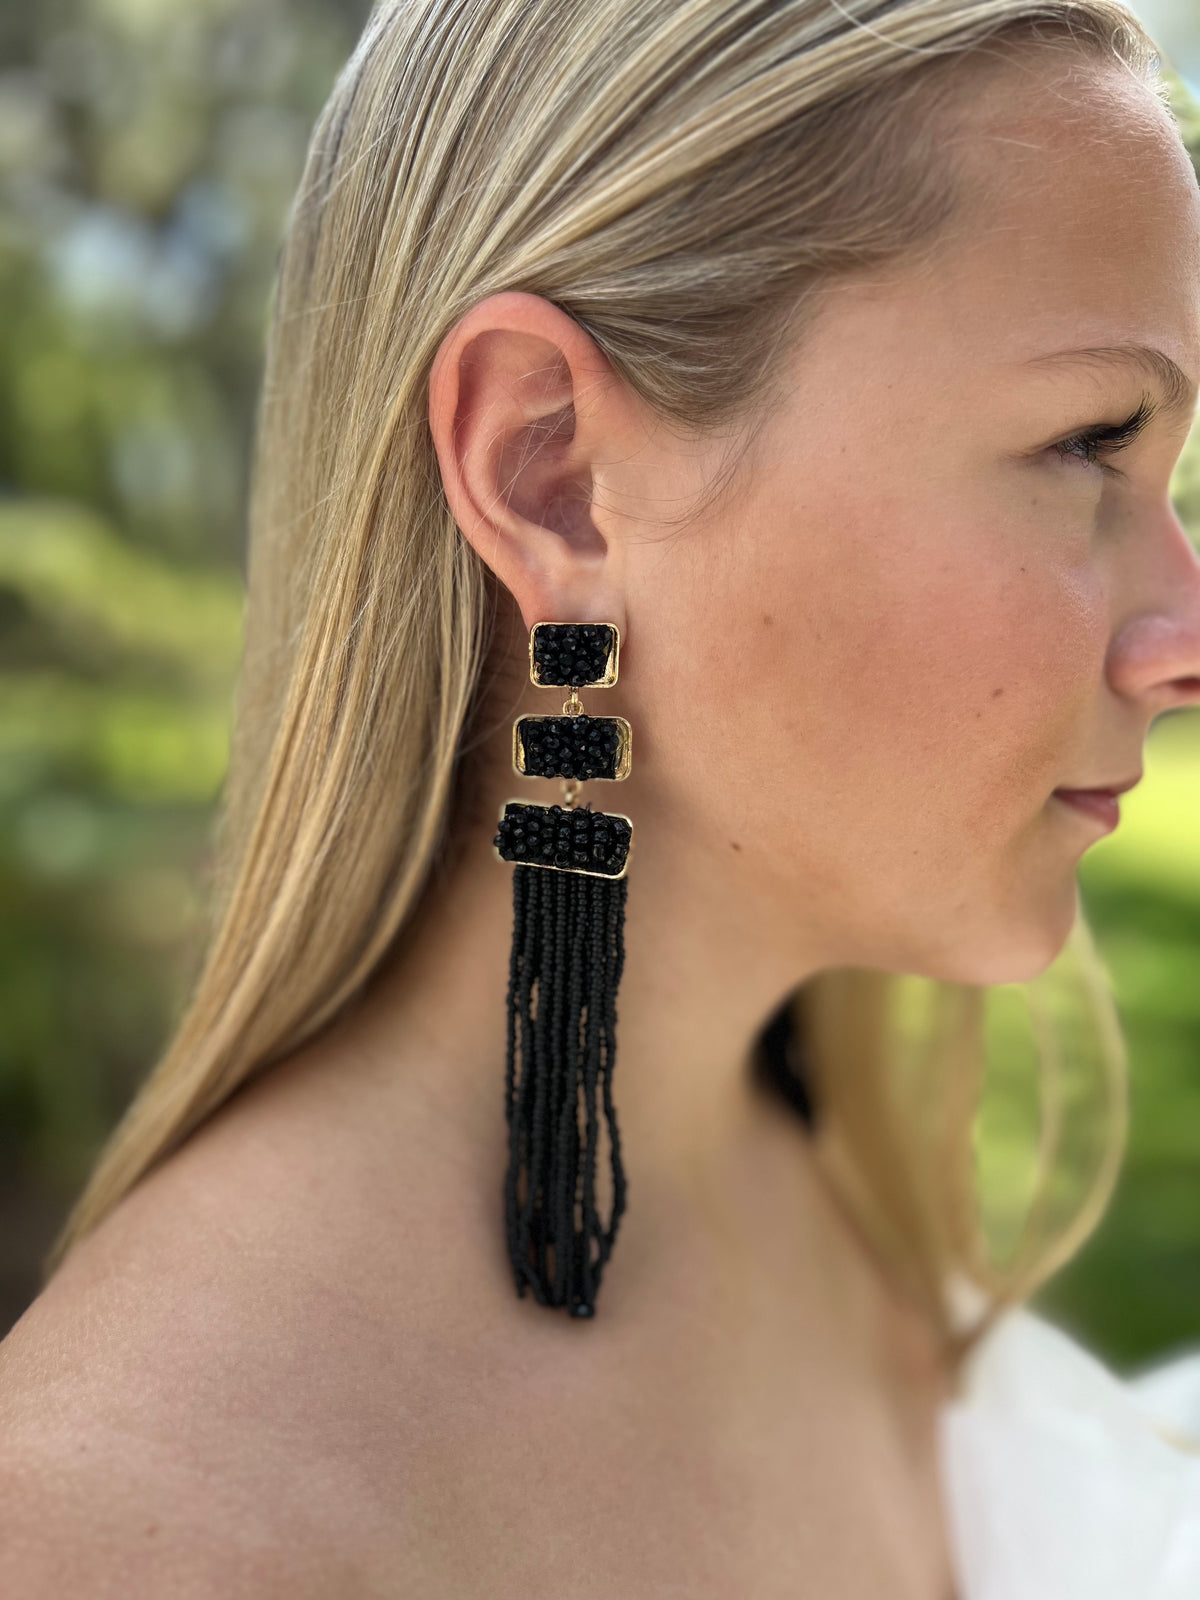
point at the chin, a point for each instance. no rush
(1015, 946)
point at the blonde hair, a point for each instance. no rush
(677, 175)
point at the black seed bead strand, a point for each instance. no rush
(568, 932)
(559, 887)
(535, 1200)
(511, 1048)
(517, 966)
(526, 1242)
(597, 970)
(529, 1082)
(597, 1063)
(613, 896)
(568, 1133)
(526, 904)
(553, 1204)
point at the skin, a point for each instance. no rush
(855, 683)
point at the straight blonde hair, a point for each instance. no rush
(679, 176)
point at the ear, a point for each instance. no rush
(527, 415)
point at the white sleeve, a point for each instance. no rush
(1060, 1483)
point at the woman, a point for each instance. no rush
(839, 356)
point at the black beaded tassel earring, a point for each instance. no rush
(568, 949)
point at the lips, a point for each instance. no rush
(1102, 804)
(1099, 801)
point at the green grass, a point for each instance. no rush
(1134, 1289)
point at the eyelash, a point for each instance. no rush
(1090, 444)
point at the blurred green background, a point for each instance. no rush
(148, 153)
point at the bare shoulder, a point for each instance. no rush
(126, 1468)
(78, 1518)
(229, 1388)
(81, 1528)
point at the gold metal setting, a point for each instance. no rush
(573, 707)
(582, 872)
(611, 666)
(624, 749)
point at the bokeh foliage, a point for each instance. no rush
(148, 152)
(1138, 1278)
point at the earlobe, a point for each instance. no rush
(504, 413)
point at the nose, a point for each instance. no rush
(1154, 656)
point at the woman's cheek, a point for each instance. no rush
(980, 661)
(1035, 686)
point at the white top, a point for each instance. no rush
(1064, 1481)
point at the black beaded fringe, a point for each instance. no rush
(567, 954)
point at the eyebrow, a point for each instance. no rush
(1177, 389)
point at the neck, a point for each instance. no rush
(705, 968)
